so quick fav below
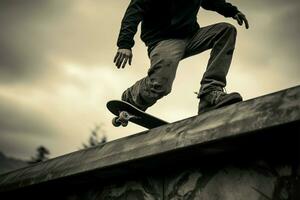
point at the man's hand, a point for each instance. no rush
(241, 18)
(122, 57)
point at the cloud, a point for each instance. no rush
(16, 118)
(23, 48)
(36, 35)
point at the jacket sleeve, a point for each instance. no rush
(130, 22)
(220, 6)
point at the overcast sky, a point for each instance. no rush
(56, 70)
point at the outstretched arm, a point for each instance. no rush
(130, 22)
(226, 9)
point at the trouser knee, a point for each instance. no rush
(161, 75)
(160, 86)
(228, 28)
(227, 37)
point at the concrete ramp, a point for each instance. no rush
(246, 151)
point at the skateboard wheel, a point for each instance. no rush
(116, 122)
(124, 124)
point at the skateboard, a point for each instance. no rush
(125, 113)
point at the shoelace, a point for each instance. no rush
(216, 95)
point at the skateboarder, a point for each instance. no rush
(171, 33)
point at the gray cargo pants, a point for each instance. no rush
(165, 57)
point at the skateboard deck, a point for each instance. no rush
(125, 112)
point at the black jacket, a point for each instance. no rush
(164, 19)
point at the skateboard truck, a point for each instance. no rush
(123, 119)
